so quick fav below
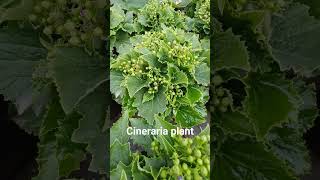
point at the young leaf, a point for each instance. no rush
(119, 153)
(151, 108)
(202, 74)
(134, 84)
(188, 117)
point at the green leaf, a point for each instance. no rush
(119, 129)
(90, 130)
(314, 7)
(16, 69)
(117, 173)
(17, 12)
(150, 58)
(123, 175)
(136, 4)
(153, 165)
(116, 83)
(69, 154)
(137, 171)
(247, 159)
(147, 97)
(267, 104)
(193, 94)
(226, 42)
(76, 74)
(221, 5)
(141, 140)
(202, 74)
(166, 144)
(119, 153)
(234, 123)
(294, 41)
(134, 84)
(288, 145)
(254, 17)
(47, 160)
(177, 76)
(151, 108)
(117, 16)
(188, 117)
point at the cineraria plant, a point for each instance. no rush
(159, 71)
(261, 94)
(164, 72)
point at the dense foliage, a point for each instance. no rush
(53, 71)
(259, 85)
(160, 75)
(263, 94)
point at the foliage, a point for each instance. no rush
(160, 75)
(53, 69)
(263, 99)
(52, 76)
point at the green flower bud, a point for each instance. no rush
(197, 153)
(163, 173)
(32, 17)
(74, 40)
(69, 25)
(190, 159)
(185, 166)
(48, 30)
(37, 9)
(200, 162)
(204, 171)
(46, 4)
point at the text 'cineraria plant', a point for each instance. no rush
(160, 74)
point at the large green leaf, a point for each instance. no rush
(117, 173)
(20, 51)
(134, 84)
(234, 123)
(153, 165)
(288, 145)
(314, 6)
(294, 39)
(247, 159)
(202, 74)
(47, 159)
(144, 141)
(17, 11)
(177, 76)
(116, 84)
(93, 109)
(119, 153)
(117, 16)
(76, 74)
(188, 116)
(267, 104)
(157, 105)
(69, 154)
(138, 172)
(230, 51)
(119, 129)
